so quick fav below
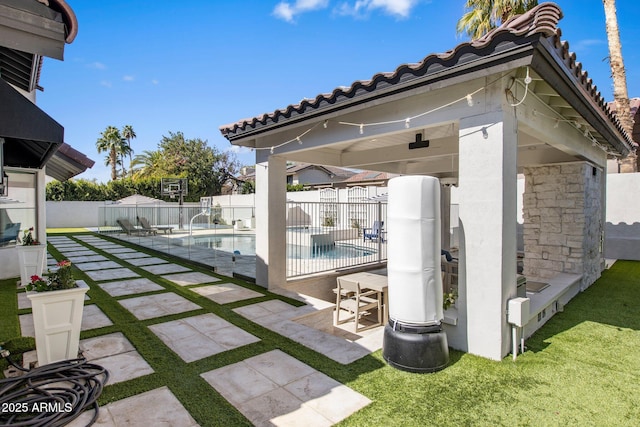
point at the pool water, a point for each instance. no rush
(246, 245)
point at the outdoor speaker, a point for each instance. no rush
(413, 338)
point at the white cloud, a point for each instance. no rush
(97, 65)
(105, 83)
(155, 81)
(398, 8)
(288, 11)
(583, 45)
(128, 78)
(237, 149)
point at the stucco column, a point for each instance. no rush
(488, 181)
(271, 242)
(41, 206)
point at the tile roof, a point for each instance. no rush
(365, 176)
(541, 20)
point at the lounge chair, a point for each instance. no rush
(128, 228)
(144, 222)
(375, 232)
(10, 233)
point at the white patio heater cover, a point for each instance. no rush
(415, 278)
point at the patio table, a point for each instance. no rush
(376, 282)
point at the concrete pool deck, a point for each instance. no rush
(270, 388)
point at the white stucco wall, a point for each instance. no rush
(73, 214)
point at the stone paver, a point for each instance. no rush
(146, 261)
(82, 252)
(130, 287)
(158, 407)
(73, 250)
(87, 258)
(151, 306)
(23, 301)
(193, 278)
(276, 315)
(276, 389)
(197, 337)
(99, 265)
(107, 246)
(226, 293)
(129, 255)
(165, 268)
(93, 318)
(122, 250)
(115, 353)
(116, 273)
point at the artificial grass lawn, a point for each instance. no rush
(579, 369)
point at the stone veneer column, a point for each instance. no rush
(563, 209)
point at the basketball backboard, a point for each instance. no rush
(173, 186)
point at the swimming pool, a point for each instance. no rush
(246, 245)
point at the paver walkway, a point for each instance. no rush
(183, 311)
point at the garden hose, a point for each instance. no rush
(51, 395)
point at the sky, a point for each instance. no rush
(192, 66)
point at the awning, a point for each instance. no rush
(31, 136)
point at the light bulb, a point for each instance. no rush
(470, 100)
(361, 128)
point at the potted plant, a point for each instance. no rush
(31, 256)
(57, 302)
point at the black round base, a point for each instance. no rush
(421, 350)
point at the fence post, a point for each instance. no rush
(380, 232)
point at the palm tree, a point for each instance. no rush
(484, 15)
(128, 133)
(111, 141)
(620, 94)
(151, 163)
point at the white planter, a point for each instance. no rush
(31, 260)
(57, 318)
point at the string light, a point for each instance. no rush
(578, 126)
(527, 81)
(469, 100)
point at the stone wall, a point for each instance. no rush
(563, 211)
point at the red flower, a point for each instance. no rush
(35, 278)
(64, 263)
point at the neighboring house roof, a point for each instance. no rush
(338, 173)
(370, 176)
(534, 34)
